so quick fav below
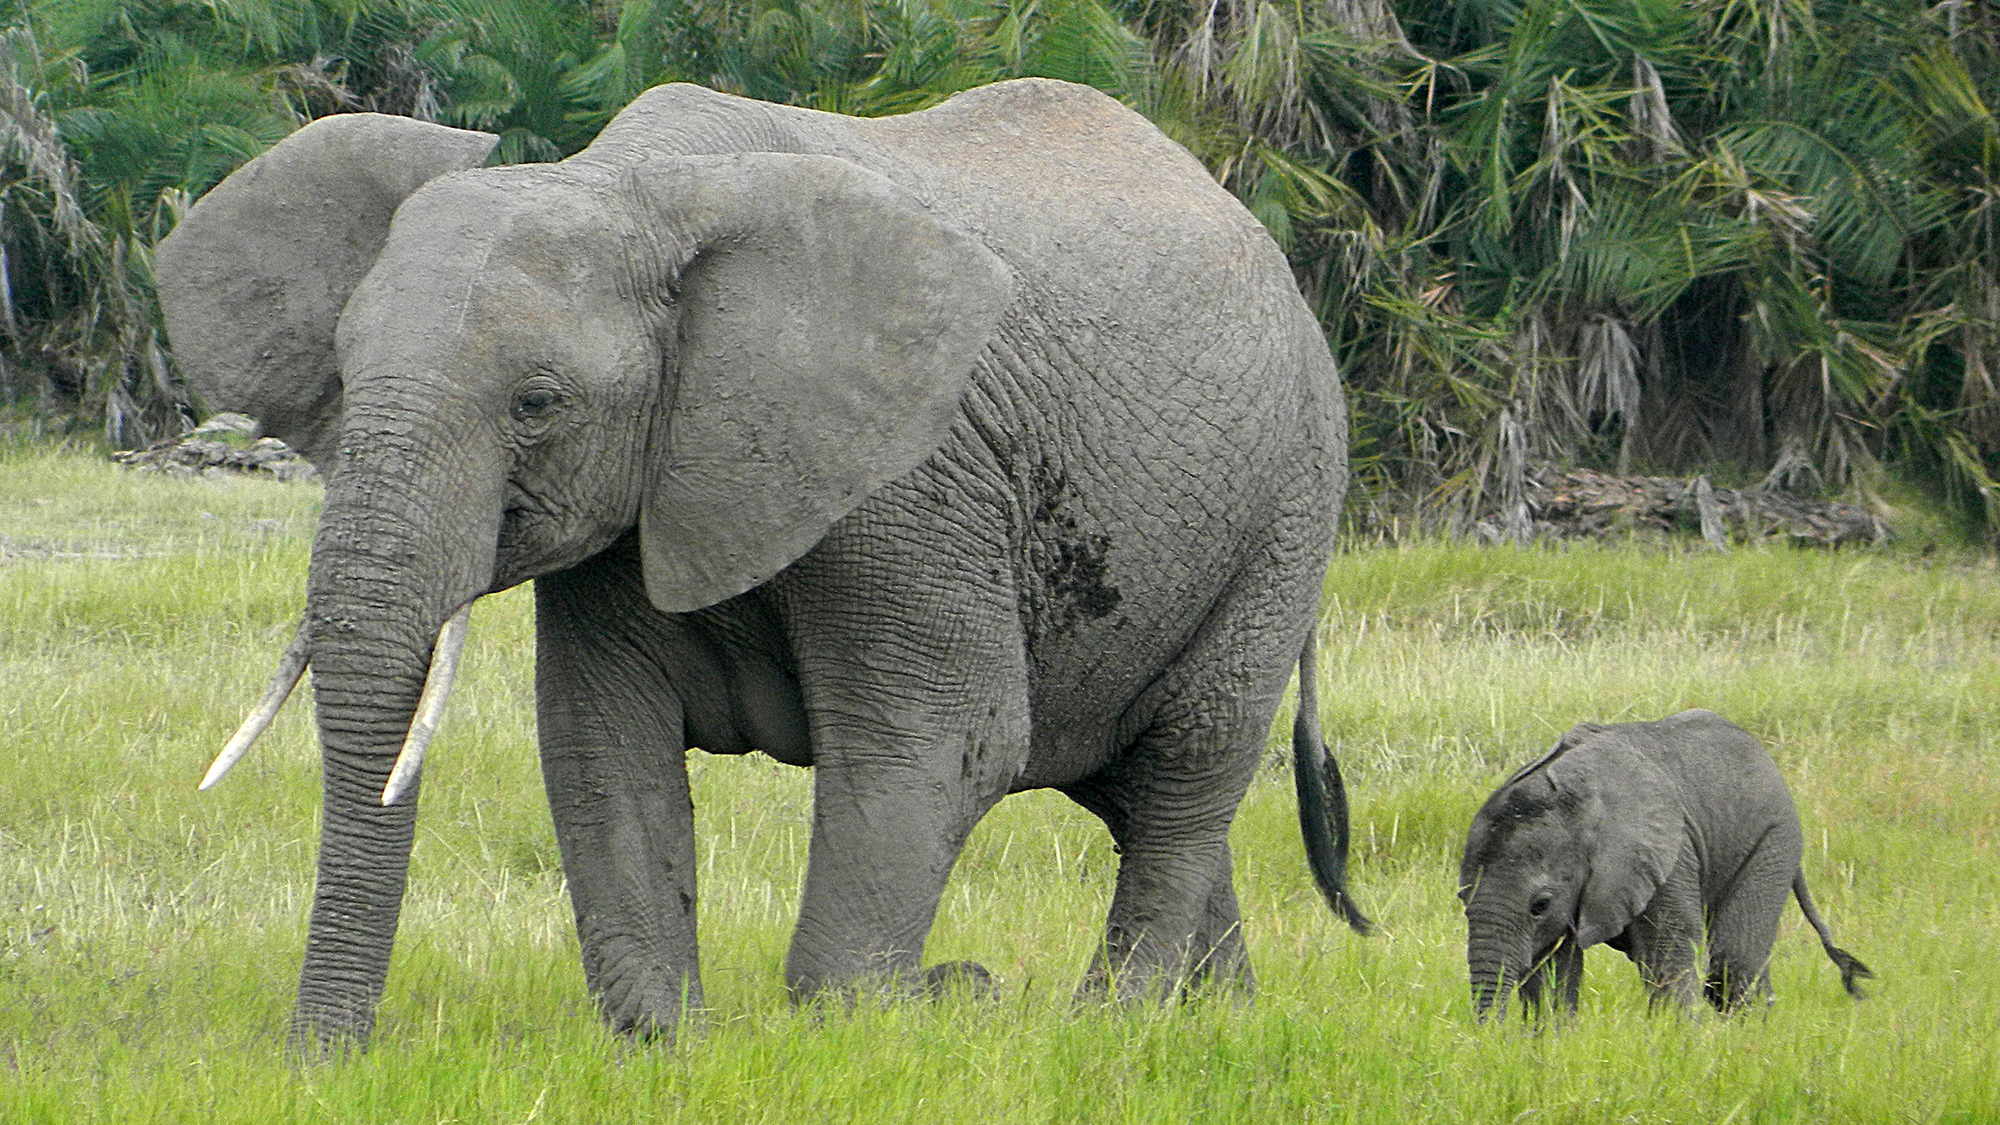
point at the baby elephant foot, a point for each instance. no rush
(960, 977)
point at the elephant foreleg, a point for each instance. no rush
(1663, 939)
(885, 836)
(614, 762)
(915, 686)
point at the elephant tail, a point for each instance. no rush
(1852, 971)
(1322, 799)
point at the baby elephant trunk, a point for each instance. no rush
(1495, 975)
(1491, 988)
(1507, 964)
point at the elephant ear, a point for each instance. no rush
(1632, 827)
(827, 326)
(253, 279)
(1571, 739)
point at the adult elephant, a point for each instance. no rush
(983, 449)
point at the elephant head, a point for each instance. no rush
(1561, 857)
(501, 371)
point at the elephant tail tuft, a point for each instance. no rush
(1852, 971)
(1322, 800)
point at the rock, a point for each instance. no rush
(227, 424)
(225, 445)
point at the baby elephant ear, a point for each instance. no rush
(253, 279)
(1634, 830)
(828, 325)
(1571, 739)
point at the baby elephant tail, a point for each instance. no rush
(1322, 800)
(1852, 971)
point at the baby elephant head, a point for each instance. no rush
(1561, 857)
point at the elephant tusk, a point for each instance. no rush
(430, 705)
(291, 666)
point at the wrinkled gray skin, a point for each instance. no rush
(1651, 838)
(984, 449)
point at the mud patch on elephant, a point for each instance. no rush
(1076, 580)
(1052, 486)
(1073, 568)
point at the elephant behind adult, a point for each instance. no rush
(978, 450)
(1656, 839)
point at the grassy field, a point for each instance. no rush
(150, 935)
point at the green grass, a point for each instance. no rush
(150, 935)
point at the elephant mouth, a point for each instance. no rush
(532, 542)
(527, 535)
(439, 679)
(520, 502)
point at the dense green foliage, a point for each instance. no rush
(150, 935)
(1752, 233)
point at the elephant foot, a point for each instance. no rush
(1163, 988)
(1151, 972)
(949, 978)
(649, 1031)
(311, 1042)
(968, 978)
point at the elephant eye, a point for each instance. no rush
(535, 401)
(1539, 905)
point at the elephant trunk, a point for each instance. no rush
(1493, 984)
(1496, 968)
(364, 851)
(391, 563)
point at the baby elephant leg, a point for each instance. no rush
(1663, 939)
(1743, 926)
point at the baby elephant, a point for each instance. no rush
(1650, 838)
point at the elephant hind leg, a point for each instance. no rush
(1744, 925)
(1197, 735)
(1174, 921)
(1226, 959)
(1174, 924)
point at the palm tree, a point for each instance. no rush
(115, 116)
(1754, 233)
(1661, 234)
